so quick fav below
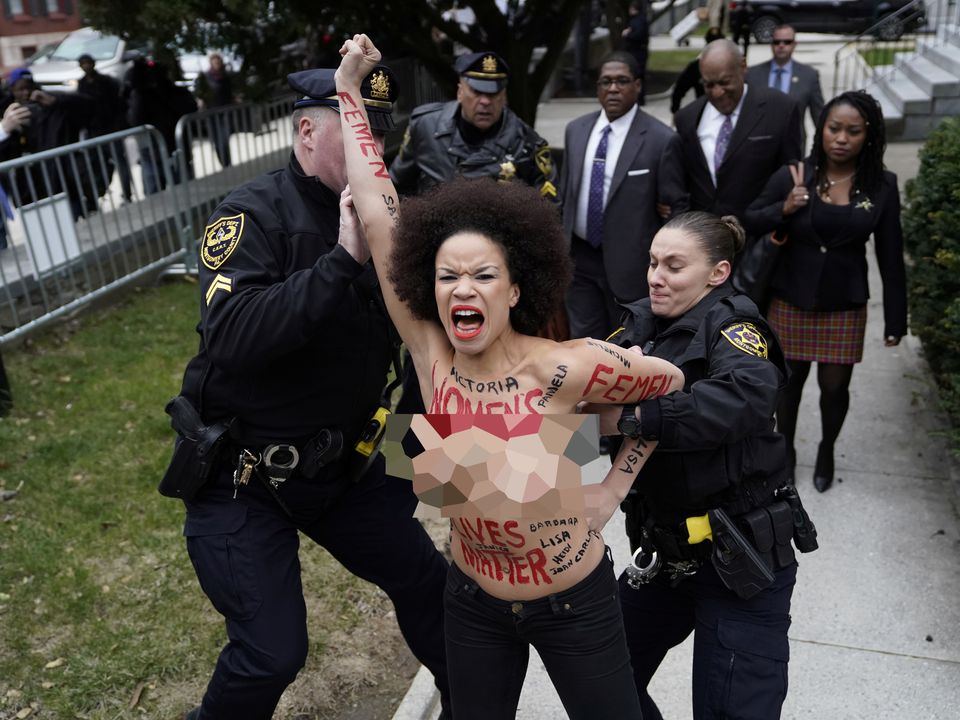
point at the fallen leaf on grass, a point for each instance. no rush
(54, 664)
(24, 713)
(46, 684)
(137, 692)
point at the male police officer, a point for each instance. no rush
(476, 135)
(294, 350)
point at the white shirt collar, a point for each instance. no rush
(711, 113)
(620, 126)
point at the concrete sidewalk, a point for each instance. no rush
(876, 615)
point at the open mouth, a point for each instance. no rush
(467, 321)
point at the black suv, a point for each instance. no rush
(844, 17)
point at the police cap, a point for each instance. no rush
(485, 72)
(378, 90)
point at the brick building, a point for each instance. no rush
(28, 25)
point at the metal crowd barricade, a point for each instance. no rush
(221, 148)
(81, 228)
(79, 231)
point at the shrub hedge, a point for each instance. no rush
(931, 225)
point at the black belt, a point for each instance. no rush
(278, 461)
(769, 529)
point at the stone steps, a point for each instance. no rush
(921, 88)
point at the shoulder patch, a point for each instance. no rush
(544, 160)
(220, 239)
(405, 143)
(747, 338)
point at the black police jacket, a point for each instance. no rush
(294, 336)
(434, 151)
(717, 445)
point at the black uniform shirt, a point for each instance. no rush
(718, 431)
(294, 336)
(434, 151)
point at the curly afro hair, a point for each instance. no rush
(514, 216)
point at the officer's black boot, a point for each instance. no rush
(823, 470)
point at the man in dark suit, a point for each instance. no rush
(621, 177)
(735, 136)
(801, 82)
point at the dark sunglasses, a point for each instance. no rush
(781, 42)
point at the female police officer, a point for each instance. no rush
(718, 456)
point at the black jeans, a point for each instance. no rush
(740, 647)
(578, 634)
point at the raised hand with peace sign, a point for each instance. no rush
(799, 195)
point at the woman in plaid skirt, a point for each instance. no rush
(824, 210)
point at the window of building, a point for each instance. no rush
(15, 6)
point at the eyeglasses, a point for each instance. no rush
(782, 42)
(620, 82)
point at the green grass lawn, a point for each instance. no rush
(884, 55)
(101, 615)
(670, 60)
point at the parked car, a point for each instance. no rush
(113, 55)
(40, 56)
(844, 17)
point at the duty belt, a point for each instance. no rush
(278, 461)
(663, 550)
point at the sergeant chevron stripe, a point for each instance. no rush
(219, 282)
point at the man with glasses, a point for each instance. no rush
(801, 82)
(621, 178)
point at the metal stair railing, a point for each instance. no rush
(894, 33)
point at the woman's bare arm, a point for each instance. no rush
(373, 194)
(602, 499)
(600, 372)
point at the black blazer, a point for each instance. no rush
(647, 172)
(767, 136)
(817, 274)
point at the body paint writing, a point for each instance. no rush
(625, 385)
(502, 566)
(554, 385)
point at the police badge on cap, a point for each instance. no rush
(485, 72)
(379, 92)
